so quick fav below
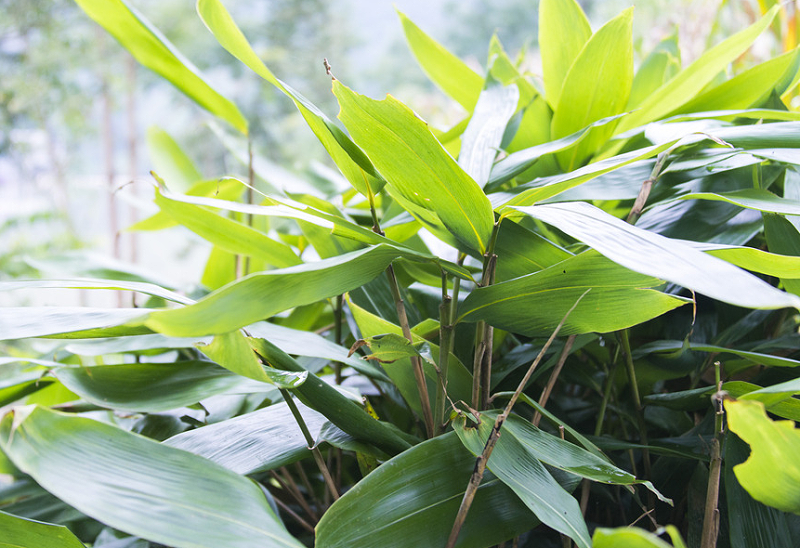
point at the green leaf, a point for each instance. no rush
(170, 161)
(446, 70)
(232, 351)
(772, 473)
(264, 294)
(223, 189)
(655, 255)
(524, 252)
(534, 304)
(750, 198)
(514, 465)
(750, 258)
(390, 347)
(751, 524)
(65, 322)
(149, 387)
(563, 32)
(413, 499)
(139, 486)
(481, 140)
(229, 235)
(347, 157)
(632, 537)
(597, 86)
(415, 164)
(19, 532)
(687, 83)
(658, 67)
(255, 442)
(748, 89)
(88, 283)
(755, 357)
(327, 400)
(155, 52)
(783, 237)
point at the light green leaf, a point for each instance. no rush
(755, 357)
(655, 255)
(264, 294)
(446, 70)
(772, 473)
(750, 88)
(783, 236)
(597, 86)
(750, 258)
(481, 140)
(514, 465)
(229, 235)
(658, 67)
(413, 499)
(750, 198)
(563, 31)
(68, 322)
(262, 440)
(390, 347)
(347, 157)
(633, 537)
(150, 387)
(687, 83)
(155, 52)
(139, 486)
(534, 304)
(88, 283)
(170, 161)
(232, 351)
(415, 164)
(19, 532)
(223, 189)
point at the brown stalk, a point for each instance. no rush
(708, 538)
(551, 382)
(483, 458)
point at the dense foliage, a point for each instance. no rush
(574, 311)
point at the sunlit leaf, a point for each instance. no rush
(19, 532)
(563, 31)
(154, 51)
(771, 475)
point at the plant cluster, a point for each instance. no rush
(569, 313)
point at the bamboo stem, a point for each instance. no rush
(626, 348)
(323, 468)
(483, 458)
(445, 339)
(711, 513)
(303, 523)
(551, 382)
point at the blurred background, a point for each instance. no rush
(81, 123)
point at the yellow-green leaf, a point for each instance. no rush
(563, 31)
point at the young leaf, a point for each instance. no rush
(170, 161)
(597, 86)
(772, 474)
(563, 31)
(139, 486)
(687, 83)
(655, 255)
(658, 67)
(415, 164)
(446, 70)
(347, 157)
(154, 51)
(633, 537)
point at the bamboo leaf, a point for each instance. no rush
(352, 162)
(138, 485)
(255, 442)
(656, 255)
(65, 322)
(229, 235)
(481, 140)
(415, 164)
(446, 70)
(771, 475)
(687, 83)
(264, 294)
(563, 32)
(516, 467)
(155, 52)
(633, 537)
(19, 532)
(412, 500)
(597, 86)
(532, 305)
(658, 67)
(750, 198)
(89, 283)
(170, 161)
